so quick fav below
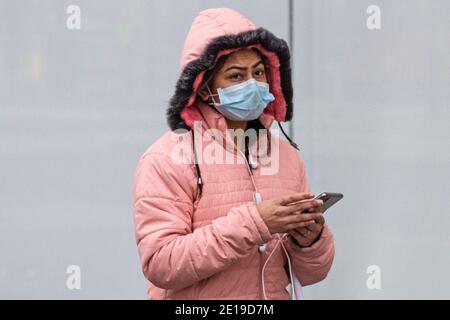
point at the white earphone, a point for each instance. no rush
(296, 287)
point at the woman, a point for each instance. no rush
(212, 230)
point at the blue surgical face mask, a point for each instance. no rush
(244, 101)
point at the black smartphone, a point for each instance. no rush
(329, 199)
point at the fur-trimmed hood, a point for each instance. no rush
(220, 31)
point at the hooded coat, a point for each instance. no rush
(197, 227)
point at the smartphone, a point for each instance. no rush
(329, 199)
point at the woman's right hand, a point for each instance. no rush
(284, 214)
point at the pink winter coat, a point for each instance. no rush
(205, 245)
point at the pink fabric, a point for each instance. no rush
(209, 24)
(207, 247)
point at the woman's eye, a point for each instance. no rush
(259, 73)
(235, 76)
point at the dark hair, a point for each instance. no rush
(210, 73)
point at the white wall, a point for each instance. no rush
(372, 113)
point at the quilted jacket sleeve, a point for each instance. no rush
(313, 263)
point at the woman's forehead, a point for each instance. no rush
(243, 57)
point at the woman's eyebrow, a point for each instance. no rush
(236, 67)
(243, 68)
(257, 64)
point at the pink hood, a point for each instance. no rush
(217, 32)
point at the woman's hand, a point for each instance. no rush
(283, 214)
(306, 236)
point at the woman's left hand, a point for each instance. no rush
(306, 236)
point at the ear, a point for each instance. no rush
(203, 94)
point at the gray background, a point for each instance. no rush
(77, 109)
